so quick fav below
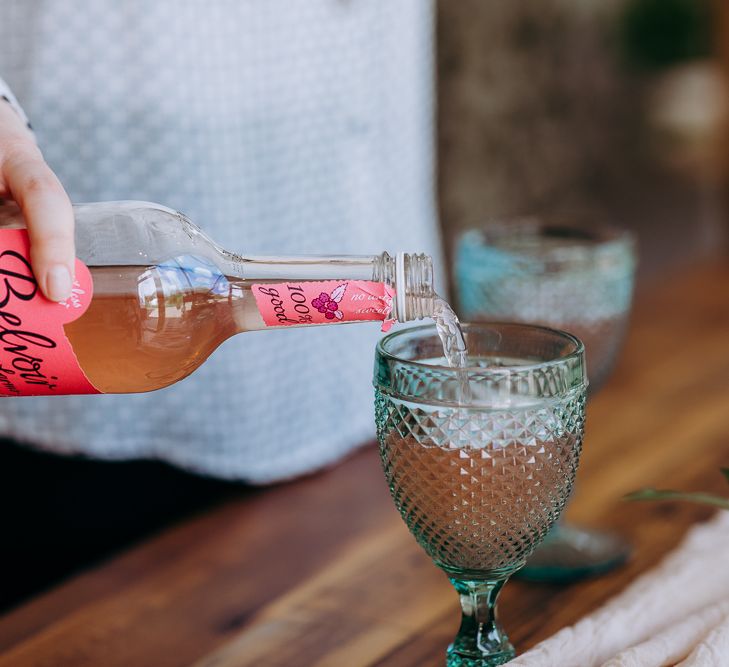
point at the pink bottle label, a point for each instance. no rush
(36, 357)
(324, 302)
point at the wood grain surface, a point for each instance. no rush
(323, 572)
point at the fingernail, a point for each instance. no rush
(58, 283)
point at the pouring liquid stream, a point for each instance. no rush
(454, 345)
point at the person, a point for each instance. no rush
(278, 127)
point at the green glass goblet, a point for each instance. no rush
(480, 475)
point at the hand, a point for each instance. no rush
(28, 180)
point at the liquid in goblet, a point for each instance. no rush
(479, 482)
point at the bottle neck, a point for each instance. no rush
(131, 233)
(410, 275)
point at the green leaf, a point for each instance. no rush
(659, 494)
(725, 472)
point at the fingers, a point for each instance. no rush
(48, 215)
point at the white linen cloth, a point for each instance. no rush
(675, 614)
(284, 126)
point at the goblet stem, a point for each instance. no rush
(481, 641)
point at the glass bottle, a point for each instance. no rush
(154, 297)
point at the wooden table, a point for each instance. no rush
(323, 572)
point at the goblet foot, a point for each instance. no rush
(481, 641)
(456, 659)
(569, 554)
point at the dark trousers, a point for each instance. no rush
(62, 514)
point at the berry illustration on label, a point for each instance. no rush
(328, 304)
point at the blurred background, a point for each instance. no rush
(618, 106)
(614, 105)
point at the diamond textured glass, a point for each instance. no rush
(480, 461)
